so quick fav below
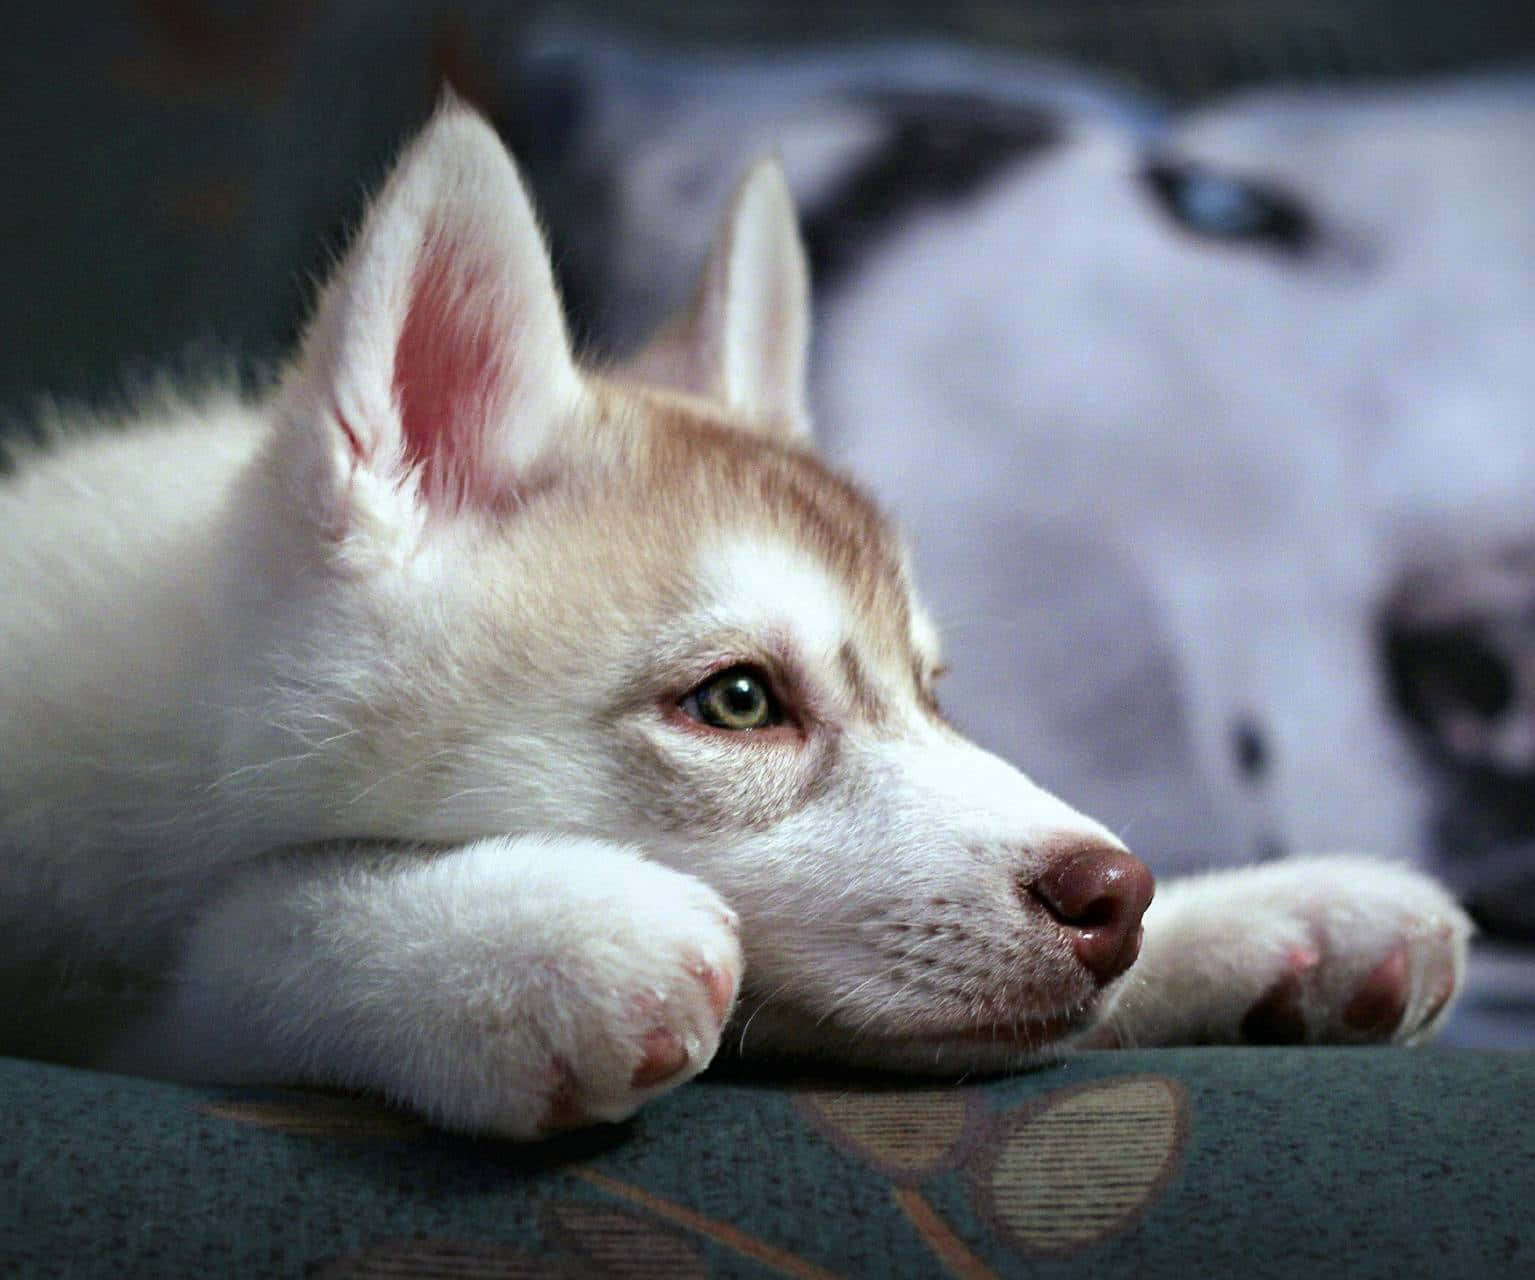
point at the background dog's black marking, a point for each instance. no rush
(939, 147)
(1250, 748)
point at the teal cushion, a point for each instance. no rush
(1166, 1163)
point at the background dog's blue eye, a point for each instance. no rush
(1218, 206)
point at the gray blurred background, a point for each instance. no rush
(172, 167)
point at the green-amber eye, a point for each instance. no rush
(733, 699)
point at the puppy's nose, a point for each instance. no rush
(1098, 894)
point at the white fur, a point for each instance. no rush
(744, 341)
(462, 984)
(335, 751)
(762, 586)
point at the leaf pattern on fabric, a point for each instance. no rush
(624, 1245)
(1080, 1165)
(1066, 1171)
(907, 1134)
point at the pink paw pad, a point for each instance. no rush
(1378, 1006)
(665, 1056)
(564, 1107)
(1279, 1017)
(721, 986)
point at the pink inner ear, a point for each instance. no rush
(449, 375)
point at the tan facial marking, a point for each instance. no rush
(867, 703)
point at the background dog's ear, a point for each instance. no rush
(437, 368)
(744, 339)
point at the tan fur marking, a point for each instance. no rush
(866, 701)
(736, 476)
(927, 696)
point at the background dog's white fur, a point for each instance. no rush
(1211, 458)
(345, 734)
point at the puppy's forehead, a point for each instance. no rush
(758, 583)
(775, 533)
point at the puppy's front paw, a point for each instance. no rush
(525, 985)
(645, 1008)
(1357, 951)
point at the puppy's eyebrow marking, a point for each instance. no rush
(866, 701)
(924, 684)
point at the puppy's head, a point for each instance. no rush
(505, 595)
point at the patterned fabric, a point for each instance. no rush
(1149, 1164)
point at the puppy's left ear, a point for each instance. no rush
(745, 338)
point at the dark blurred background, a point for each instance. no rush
(175, 172)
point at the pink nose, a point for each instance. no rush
(1098, 894)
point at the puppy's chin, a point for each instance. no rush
(926, 1047)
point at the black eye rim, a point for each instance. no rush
(691, 704)
(1276, 219)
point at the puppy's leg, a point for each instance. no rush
(1337, 949)
(512, 986)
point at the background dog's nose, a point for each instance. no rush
(1098, 893)
(1458, 643)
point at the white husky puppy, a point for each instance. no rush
(459, 724)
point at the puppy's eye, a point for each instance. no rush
(1218, 206)
(738, 699)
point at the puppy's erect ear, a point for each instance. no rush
(744, 339)
(437, 368)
